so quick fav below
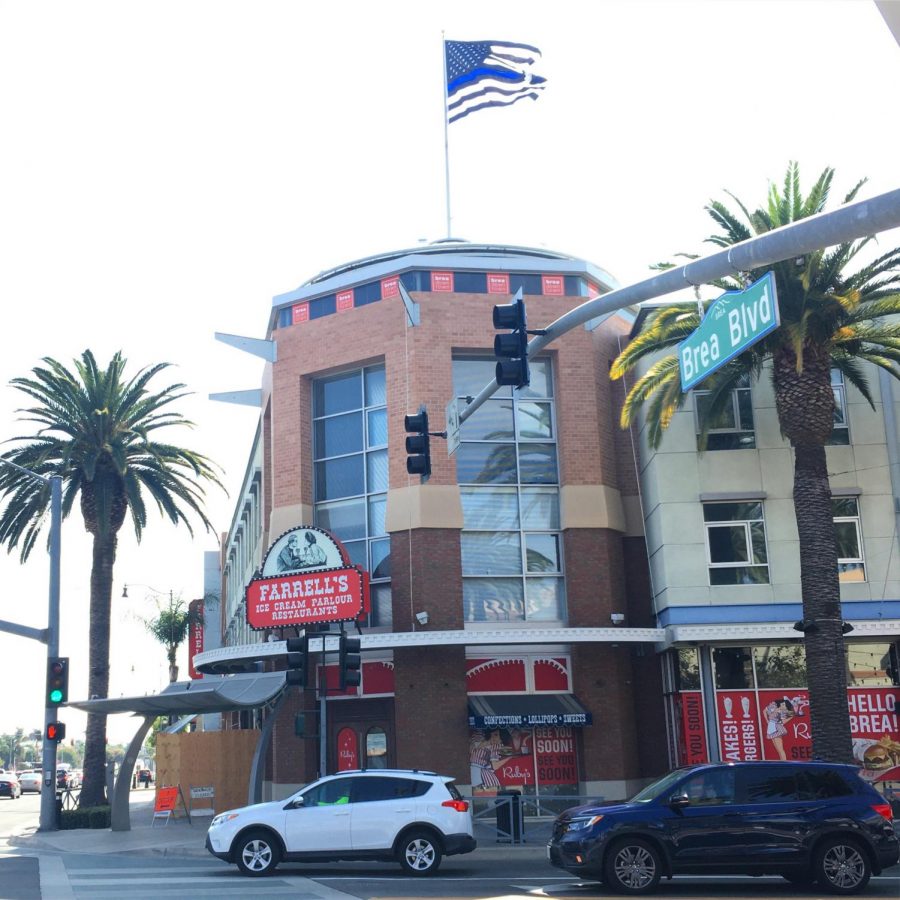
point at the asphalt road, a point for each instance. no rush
(480, 876)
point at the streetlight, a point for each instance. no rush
(48, 636)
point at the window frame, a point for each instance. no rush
(860, 559)
(738, 430)
(368, 497)
(747, 524)
(521, 490)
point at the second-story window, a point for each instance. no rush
(351, 474)
(732, 428)
(508, 474)
(736, 542)
(851, 565)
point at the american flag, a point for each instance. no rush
(481, 74)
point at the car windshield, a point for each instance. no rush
(652, 791)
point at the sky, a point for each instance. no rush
(166, 168)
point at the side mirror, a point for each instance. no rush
(297, 803)
(679, 801)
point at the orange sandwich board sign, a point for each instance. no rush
(306, 577)
(166, 803)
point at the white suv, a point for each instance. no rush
(403, 815)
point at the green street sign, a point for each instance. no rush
(734, 322)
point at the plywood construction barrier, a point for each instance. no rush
(217, 759)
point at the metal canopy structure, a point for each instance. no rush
(184, 698)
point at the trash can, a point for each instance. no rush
(509, 817)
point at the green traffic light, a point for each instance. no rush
(56, 696)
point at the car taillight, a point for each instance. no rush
(884, 809)
(458, 805)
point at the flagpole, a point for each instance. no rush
(444, 101)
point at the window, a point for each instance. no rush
(780, 666)
(736, 543)
(733, 426)
(768, 784)
(376, 748)
(351, 474)
(822, 784)
(851, 566)
(508, 474)
(733, 668)
(872, 665)
(688, 672)
(329, 793)
(840, 434)
(712, 787)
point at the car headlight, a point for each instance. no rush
(579, 823)
(222, 819)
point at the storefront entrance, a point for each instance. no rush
(360, 735)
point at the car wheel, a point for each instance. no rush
(419, 853)
(257, 853)
(632, 866)
(841, 866)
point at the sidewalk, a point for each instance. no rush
(178, 838)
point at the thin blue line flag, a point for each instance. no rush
(481, 74)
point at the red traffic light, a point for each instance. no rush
(56, 731)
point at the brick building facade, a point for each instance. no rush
(509, 590)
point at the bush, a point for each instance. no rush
(89, 817)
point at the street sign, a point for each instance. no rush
(734, 322)
(452, 419)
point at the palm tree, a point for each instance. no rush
(171, 626)
(828, 319)
(97, 430)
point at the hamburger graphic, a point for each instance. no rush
(882, 754)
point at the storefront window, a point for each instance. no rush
(688, 671)
(376, 748)
(780, 666)
(540, 761)
(872, 665)
(733, 668)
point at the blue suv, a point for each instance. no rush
(809, 822)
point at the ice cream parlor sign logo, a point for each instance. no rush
(306, 577)
(774, 725)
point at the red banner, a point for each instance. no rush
(344, 300)
(498, 282)
(738, 717)
(775, 725)
(195, 636)
(441, 281)
(693, 728)
(554, 285)
(390, 287)
(328, 595)
(347, 750)
(300, 313)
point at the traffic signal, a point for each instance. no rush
(418, 444)
(296, 661)
(511, 349)
(56, 731)
(57, 680)
(350, 661)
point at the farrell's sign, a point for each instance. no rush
(329, 595)
(306, 577)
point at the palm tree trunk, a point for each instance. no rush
(820, 588)
(104, 556)
(173, 668)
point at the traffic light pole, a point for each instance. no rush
(48, 636)
(850, 222)
(48, 790)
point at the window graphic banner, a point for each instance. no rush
(693, 728)
(774, 725)
(525, 758)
